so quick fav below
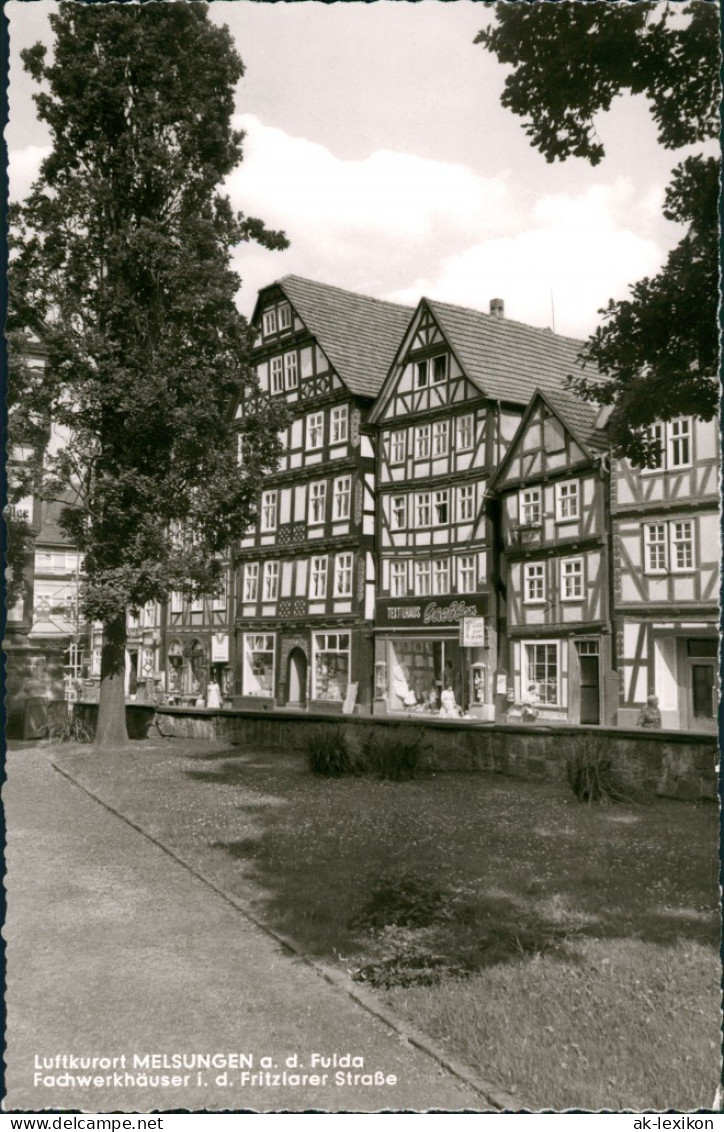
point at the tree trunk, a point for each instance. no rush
(111, 730)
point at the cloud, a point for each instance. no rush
(23, 169)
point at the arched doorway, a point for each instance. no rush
(297, 677)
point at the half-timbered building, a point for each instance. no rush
(305, 574)
(195, 644)
(667, 575)
(553, 492)
(445, 417)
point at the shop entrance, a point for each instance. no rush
(297, 678)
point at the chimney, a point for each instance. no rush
(497, 307)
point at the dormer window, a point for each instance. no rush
(438, 366)
(269, 322)
(285, 316)
(421, 374)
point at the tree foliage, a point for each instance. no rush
(120, 266)
(657, 350)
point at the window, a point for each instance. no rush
(466, 574)
(571, 579)
(534, 582)
(464, 430)
(441, 576)
(422, 442)
(339, 424)
(290, 371)
(343, 575)
(342, 494)
(196, 605)
(330, 672)
(397, 454)
(277, 375)
(540, 671)
(240, 448)
(439, 369)
(422, 579)
(270, 586)
(317, 501)
(268, 510)
(422, 509)
(399, 512)
(318, 578)
(258, 664)
(655, 556)
(251, 581)
(567, 501)
(315, 425)
(398, 579)
(439, 438)
(270, 322)
(421, 374)
(442, 506)
(679, 443)
(285, 316)
(466, 502)
(655, 435)
(177, 602)
(219, 600)
(530, 507)
(682, 545)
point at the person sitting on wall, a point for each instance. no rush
(650, 716)
(402, 689)
(529, 709)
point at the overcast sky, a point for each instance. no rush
(376, 140)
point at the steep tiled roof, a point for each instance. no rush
(580, 416)
(359, 335)
(507, 360)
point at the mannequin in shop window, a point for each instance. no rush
(402, 689)
(448, 703)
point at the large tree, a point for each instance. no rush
(121, 268)
(658, 349)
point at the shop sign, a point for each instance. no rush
(421, 614)
(219, 648)
(472, 632)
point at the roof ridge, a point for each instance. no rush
(342, 291)
(495, 319)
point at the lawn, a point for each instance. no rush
(569, 953)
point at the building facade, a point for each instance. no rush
(553, 491)
(666, 527)
(305, 575)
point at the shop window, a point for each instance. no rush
(441, 576)
(466, 503)
(567, 501)
(422, 578)
(439, 438)
(419, 671)
(318, 578)
(339, 424)
(540, 671)
(343, 575)
(398, 579)
(464, 430)
(270, 585)
(258, 664)
(397, 453)
(399, 512)
(330, 673)
(534, 582)
(571, 579)
(251, 581)
(342, 496)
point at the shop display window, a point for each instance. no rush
(331, 666)
(418, 672)
(258, 664)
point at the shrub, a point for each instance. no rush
(328, 753)
(591, 772)
(69, 729)
(394, 756)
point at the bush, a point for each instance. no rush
(328, 753)
(394, 756)
(69, 729)
(591, 772)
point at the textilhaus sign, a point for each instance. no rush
(421, 614)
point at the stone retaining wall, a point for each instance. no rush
(670, 764)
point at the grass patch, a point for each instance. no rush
(569, 953)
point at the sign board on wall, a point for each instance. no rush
(472, 632)
(219, 648)
(443, 612)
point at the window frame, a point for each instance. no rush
(440, 439)
(398, 443)
(318, 569)
(440, 576)
(344, 571)
(284, 323)
(574, 575)
(315, 423)
(291, 371)
(463, 500)
(465, 421)
(339, 416)
(276, 374)
(342, 493)
(396, 511)
(525, 669)
(317, 502)
(524, 505)
(250, 575)
(662, 546)
(423, 506)
(423, 570)
(435, 376)
(675, 543)
(561, 498)
(399, 573)
(270, 580)
(534, 578)
(465, 569)
(268, 512)
(269, 322)
(675, 439)
(441, 506)
(423, 448)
